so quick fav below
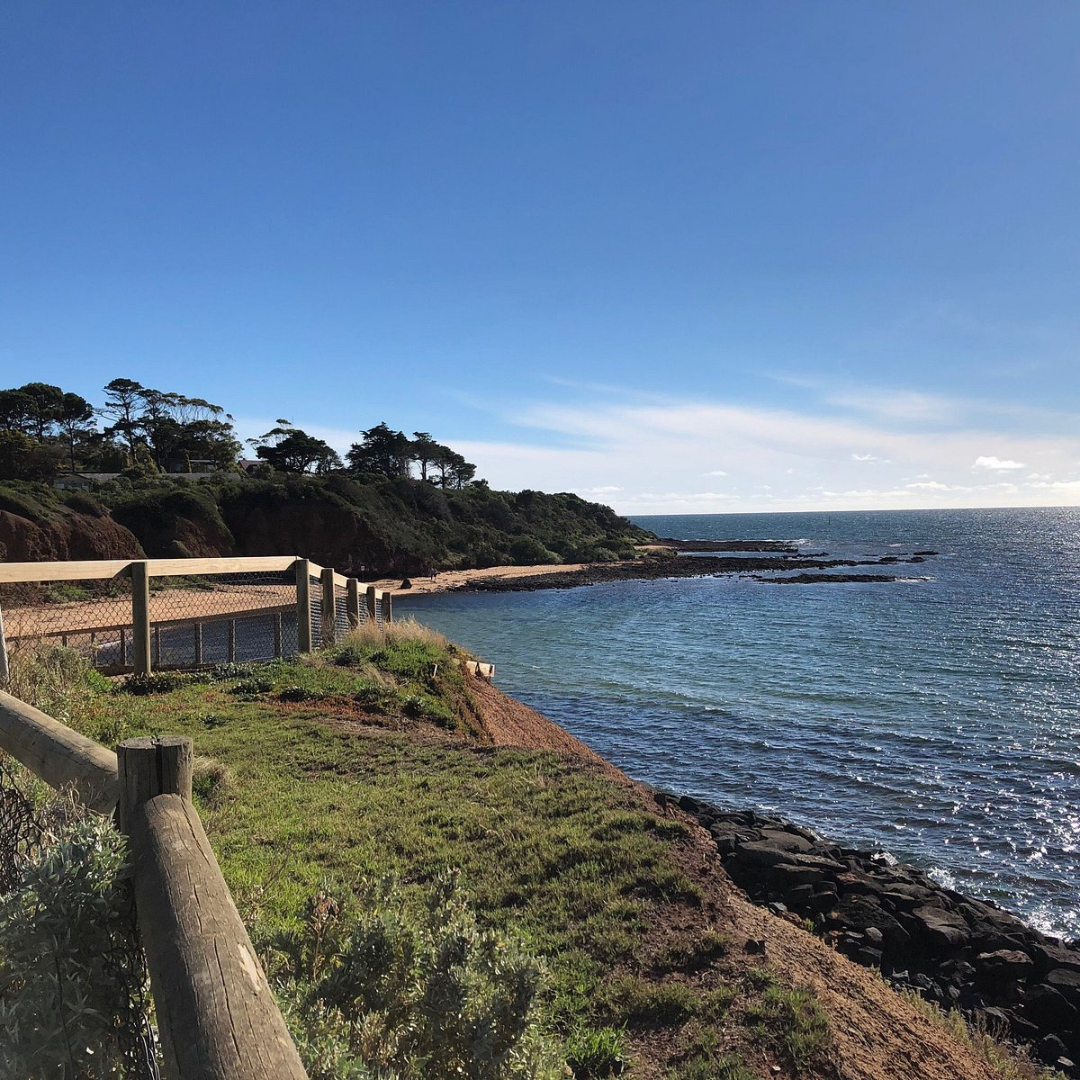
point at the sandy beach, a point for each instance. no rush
(447, 580)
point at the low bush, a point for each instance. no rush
(71, 980)
(375, 986)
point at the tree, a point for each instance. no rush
(289, 449)
(46, 402)
(383, 451)
(23, 457)
(74, 419)
(422, 450)
(15, 410)
(123, 399)
(454, 470)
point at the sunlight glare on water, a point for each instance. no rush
(938, 718)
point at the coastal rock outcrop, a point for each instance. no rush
(956, 951)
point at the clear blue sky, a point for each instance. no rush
(679, 256)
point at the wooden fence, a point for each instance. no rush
(217, 1017)
(316, 603)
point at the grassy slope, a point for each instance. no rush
(325, 770)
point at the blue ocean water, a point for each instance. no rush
(938, 718)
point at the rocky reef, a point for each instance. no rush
(956, 951)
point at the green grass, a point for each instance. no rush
(322, 773)
(790, 1019)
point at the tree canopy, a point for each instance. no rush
(143, 428)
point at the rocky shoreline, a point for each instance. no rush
(676, 566)
(956, 951)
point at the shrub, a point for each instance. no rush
(411, 996)
(66, 954)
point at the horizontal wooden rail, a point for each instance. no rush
(88, 570)
(257, 564)
(58, 755)
(106, 569)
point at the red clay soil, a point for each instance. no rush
(876, 1034)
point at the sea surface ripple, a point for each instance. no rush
(938, 717)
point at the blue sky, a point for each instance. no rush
(678, 256)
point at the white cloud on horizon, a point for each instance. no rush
(808, 459)
(996, 463)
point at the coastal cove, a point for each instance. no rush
(935, 717)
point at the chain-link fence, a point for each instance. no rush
(90, 615)
(206, 617)
(223, 618)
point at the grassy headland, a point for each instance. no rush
(362, 525)
(322, 775)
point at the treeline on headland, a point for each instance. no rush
(395, 505)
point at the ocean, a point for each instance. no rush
(937, 717)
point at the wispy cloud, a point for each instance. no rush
(792, 459)
(997, 464)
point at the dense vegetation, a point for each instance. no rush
(396, 505)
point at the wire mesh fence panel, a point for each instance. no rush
(92, 617)
(315, 591)
(222, 618)
(341, 613)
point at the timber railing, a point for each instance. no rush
(216, 1014)
(144, 614)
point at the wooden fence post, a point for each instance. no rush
(352, 602)
(153, 766)
(329, 607)
(140, 617)
(387, 606)
(372, 603)
(217, 1017)
(303, 606)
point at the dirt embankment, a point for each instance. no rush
(875, 1033)
(67, 535)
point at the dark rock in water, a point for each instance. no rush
(955, 950)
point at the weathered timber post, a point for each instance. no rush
(217, 1017)
(372, 603)
(140, 617)
(58, 755)
(153, 766)
(352, 602)
(303, 606)
(329, 607)
(387, 606)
